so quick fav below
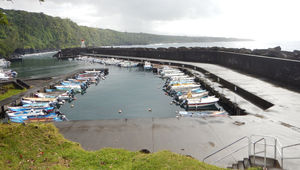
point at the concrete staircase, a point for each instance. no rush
(271, 164)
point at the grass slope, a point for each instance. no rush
(11, 91)
(41, 146)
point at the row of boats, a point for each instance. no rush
(43, 106)
(188, 94)
(113, 61)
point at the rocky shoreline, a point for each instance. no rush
(17, 54)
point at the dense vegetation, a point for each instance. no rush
(40, 146)
(27, 30)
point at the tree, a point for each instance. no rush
(3, 19)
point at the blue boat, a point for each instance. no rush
(22, 108)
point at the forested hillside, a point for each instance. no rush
(27, 30)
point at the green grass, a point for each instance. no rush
(41, 146)
(11, 91)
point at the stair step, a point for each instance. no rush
(241, 165)
(234, 166)
(246, 163)
(259, 161)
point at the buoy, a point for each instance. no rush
(72, 105)
(171, 103)
(120, 111)
(150, 110)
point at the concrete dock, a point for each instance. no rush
(199, 137)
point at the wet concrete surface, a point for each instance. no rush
(197, 137)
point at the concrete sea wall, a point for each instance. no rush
(279, 70)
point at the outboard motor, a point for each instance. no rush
(58, 113)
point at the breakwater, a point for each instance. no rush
(285, 72)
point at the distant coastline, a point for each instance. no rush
(249, 44)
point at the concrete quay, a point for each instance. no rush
(199, 137)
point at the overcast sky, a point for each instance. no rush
(255, 19)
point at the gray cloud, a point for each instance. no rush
(124, 15)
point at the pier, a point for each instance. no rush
(271, 110)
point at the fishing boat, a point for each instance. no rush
(60, 96)
(168, 75)
(128, 64)
(93, 71)
(185, 91)
(193, 96)
(4, 63)
(37, 99)
(26, 113)
(147, 65)
(187, 86)
(22, 108)
(40, 104)
(76, 88)
(200, 103)
(51, 117)
(208, 113)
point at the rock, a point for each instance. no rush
(145, 151)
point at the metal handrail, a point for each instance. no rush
(278, 148)
(245, 137)
(231, 153)
(277, 144)
(265, 151)
(288, 146)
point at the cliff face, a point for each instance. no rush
(280, 70)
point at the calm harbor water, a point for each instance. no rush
(42, 65)
(132, 90)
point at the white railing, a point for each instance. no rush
(252, 141)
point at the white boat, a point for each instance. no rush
(178, 78)
(147, 65)
(7, 74)
(187, 86)
(208, 113)
(37, 99)
(4, 63)
(128, 64)
(93, 71)
(201, 102)
(76, 88)
(62, 96)
(193, 95)
(30, 113)
(3, 76)
(168, 75)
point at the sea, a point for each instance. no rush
(285, 45)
